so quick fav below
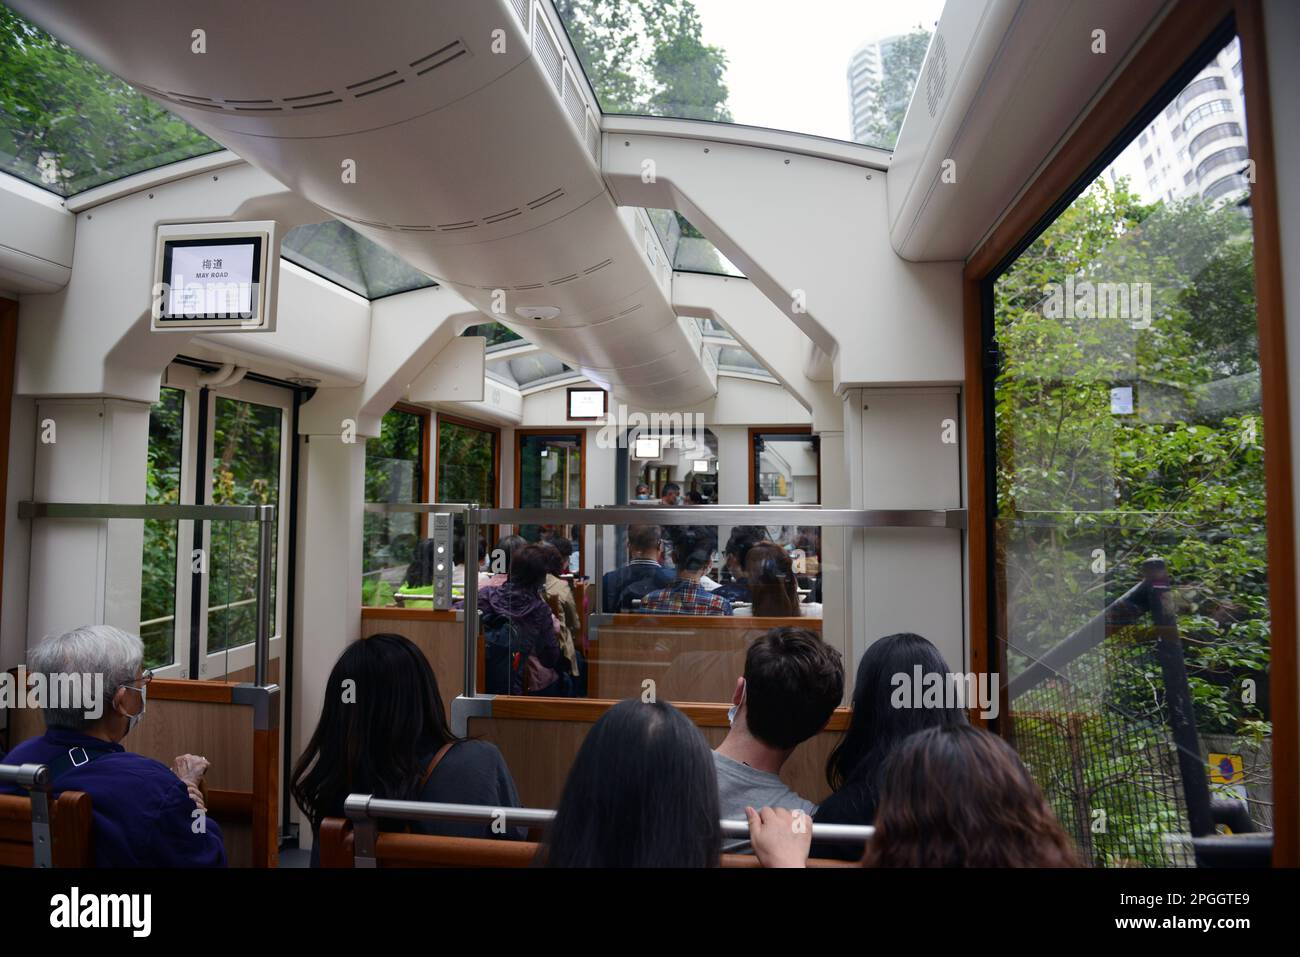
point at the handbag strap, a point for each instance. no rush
(433, 763)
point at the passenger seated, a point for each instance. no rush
(145, 814)
(643, 493)
(522, 647)
(693, 547)
(641, 793)
(875, 729)
(643, 573)
(499, 561)
(792, 683)
(383, 731)
(772, 585)
(950, 796)
(741, 540)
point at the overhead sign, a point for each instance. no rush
(216, 277)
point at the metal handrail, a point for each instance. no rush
(35, 780)
(364, 809)
(954, 518)
(264, 515)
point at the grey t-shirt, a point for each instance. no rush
(740, 786)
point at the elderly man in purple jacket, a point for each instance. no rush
(145, 814)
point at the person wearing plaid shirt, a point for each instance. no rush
(693, 548)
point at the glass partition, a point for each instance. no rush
(395, 473)
(160, 552)
(552, 475)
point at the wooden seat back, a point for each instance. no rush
(71, 835)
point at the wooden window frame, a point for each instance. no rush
(757, 430)
(1178, 40)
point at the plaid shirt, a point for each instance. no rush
(685, 597)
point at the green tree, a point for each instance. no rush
(648, 56)
(68, 125)
(889, 95)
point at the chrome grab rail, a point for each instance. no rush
(364, 809)
(264, 515)
(35, 780)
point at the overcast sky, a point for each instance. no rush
(787, 60)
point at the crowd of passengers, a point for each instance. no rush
(645, 789)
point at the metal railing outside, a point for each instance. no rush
(263, 515)
(365, 809)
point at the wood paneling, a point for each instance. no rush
(540, 737)
(438, 634)
(71, 839)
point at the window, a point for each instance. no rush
(1094, 497)
(1197, 87)
(551, 473)
(158, 560)
(1142, 141)
(395, 473)
(1226, 185)
(342, 255)
(467, 462)
(247, 444)
(785, 466)
(1233, 154)
(67, 125)
(1222, 131)
(1204, 110)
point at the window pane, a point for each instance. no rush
(246, 471)
(786, 468)
(344, 256)
(1130, 451)
(550, 476)
(66, 125)
(394, 473)
(158, 561)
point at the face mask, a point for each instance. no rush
(134, 719)
(732, 711)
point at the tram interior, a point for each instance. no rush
(953, 323)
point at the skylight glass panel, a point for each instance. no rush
(67, 125)
(497, 335)
(342, 255)
(536, 368)
(843, 69)
(687, 248)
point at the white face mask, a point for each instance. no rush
(134, 719)
(735, 708)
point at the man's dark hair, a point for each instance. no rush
(528, 566)
(693, 546)
(742, 539)
(670, 488)
(793, 682)
(644, 538)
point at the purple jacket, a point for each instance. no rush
(523, 617)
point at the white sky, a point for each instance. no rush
(788, 60)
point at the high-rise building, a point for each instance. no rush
(866, 69)
(1196, 146)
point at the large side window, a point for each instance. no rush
(552, 474)
(395, 473)
(1129, 453)
(158, 562)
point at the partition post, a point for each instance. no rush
(597, 574)
(265, 534)
(472, 532)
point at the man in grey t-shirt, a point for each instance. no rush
(792, 684)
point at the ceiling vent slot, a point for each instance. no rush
(522, 9)
(593, 138)
(439, 58)
(543, 200)
(936, 74)
(564, 279)
(467, 224)
(573, 101)
(531, 285)
(548, 53)
(600, 265)
(501, 217)
(378, 89)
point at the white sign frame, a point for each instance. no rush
(265, 292)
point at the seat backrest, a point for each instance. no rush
(71, 835)
(426, 850)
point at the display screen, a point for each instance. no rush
(212, 278)
(587, 403)
(700, 465)
(646, 449)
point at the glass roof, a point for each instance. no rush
(843, 69)
(67, 125)
(736, 359)
(534, 369)
(686, 246)
(338, 253)
(498, 336)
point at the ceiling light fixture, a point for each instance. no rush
(537, 312)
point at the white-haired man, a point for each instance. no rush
(145, 814)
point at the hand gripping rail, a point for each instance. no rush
(364, 809)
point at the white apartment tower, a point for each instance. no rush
(1196, 147)
(865, 66)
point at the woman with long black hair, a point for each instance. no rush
(876, 728)
(383, 731)
(642, 792)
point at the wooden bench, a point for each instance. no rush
(426, 850)
(71, 836)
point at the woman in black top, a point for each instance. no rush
(875, 729)
(380, 731)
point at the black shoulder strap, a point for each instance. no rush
(74, 758)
